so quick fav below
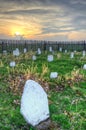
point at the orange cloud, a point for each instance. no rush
(77, 35)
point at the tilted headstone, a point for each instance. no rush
(12, 64)
(50, 58)
(72, 55)
(33, 57)
(34, 103)
(53, 75)
(84, 66)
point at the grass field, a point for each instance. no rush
(66, 94)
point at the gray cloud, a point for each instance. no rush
(30, 11)
(53, 16)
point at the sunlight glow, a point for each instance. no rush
(17, 33)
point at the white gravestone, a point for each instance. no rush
(16, 52)
(84, 67)
(25, 50)
(65, 51)
(53, 75)
(34, 103)
(50, 49)
(60, 49)
(83, 53)
(50, 58)
(72, 55)
(12, 64)
(33, 57)
(39, 51)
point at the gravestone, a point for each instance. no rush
(50, 58)
(83, 53)
(50, 49)
(12, 64)
(39, 51)
(34, 103)
(60, 49)
(33, 57)
(84, 66)
(16, 52)
(25, 50)
(72, 55)
(53, 75)
(65, 51)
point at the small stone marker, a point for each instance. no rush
(65, 51)
(84, 67)
(53, 75)
(39, 51)
(33, 57)
(25, 50)
(50, 49)
(12, 64)
(60, 49)
(34, 103)
(50, 58)
(72, 55)
(83, 53)
(16, 52)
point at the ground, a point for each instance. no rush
(66, 93)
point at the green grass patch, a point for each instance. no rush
(66, 94)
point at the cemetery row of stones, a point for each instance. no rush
(16, 52)
(50, 58)
(10, 45)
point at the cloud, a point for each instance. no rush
(77, 35)
(44, 18)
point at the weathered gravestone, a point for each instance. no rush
(34, 103)
(53, 75)
(65, 51)
(12, 64)
(16, 52)
(72, 55)
(83, 53)
(60, 49)
(39, 51)
(25, 50)
(33, 57)
(50, 49)
(50, 58)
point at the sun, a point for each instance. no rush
(17, 33)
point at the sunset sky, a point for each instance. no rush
(43, 19)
